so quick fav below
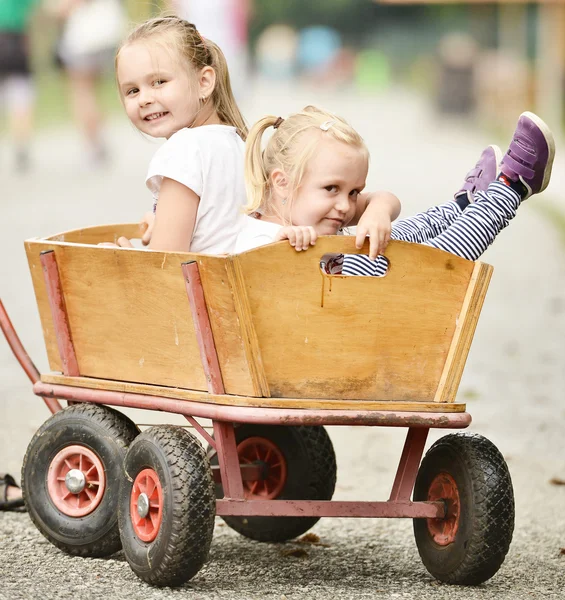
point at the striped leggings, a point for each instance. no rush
(466, 233)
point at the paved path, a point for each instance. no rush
(514, 382)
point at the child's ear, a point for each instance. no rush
(280, 183)
(206, 82)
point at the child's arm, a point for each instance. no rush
(175, 217)
(374, 213)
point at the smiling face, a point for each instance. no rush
(332, 180)
(160, 95)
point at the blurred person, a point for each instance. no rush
(276, 51)
(225, 22)
(309, 181)
(458, 54)
(91, 32)
(318, 50)
(174, 84)
(16, 84)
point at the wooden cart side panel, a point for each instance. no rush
(466, 325)
(249, 401)
(370, 338)
(130, 317)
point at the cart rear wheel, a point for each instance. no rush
(470, 475)
(71, 474)
(167, 506)
(298, 464)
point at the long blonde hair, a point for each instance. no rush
(198, 52)
(290, 148)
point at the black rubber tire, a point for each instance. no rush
(183, 541)
(486, 518)
(311, 475)
(106, 432)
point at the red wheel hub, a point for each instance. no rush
(76, 481)
(146, 505)
(444, 531)
(262, 450)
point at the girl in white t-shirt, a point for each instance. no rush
(175, 84)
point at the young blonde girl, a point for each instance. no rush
(174, 84)
(308, 181)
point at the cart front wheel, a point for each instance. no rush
(298, 463)
(71, 474)
(167, 506)
(469, 474)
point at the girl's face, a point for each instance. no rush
(159, 95)
(327, 196)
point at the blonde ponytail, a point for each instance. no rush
(222, 96)
(256, 174)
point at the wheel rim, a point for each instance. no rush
(259, 450)
(443, 531)
(146, 505)
(76, 481)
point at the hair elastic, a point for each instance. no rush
(327, 124)
(277, 123)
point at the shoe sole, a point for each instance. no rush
(498, 156)
(548, 136)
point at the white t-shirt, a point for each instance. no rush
(93, 26)
(254, 233)
(209, 161)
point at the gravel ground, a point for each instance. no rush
(514, 382)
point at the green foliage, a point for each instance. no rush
(351, 17)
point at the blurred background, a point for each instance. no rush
(479, 61)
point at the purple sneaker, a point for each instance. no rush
(484, 173)
(530, 156)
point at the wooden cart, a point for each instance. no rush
(270, 349)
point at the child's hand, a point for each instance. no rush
(121, 242)
(375, 223)
(301, 237)
(147, 224)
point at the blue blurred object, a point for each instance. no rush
(318, 46)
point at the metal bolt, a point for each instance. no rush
(75, 481)
(143, 505)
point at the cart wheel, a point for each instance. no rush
(470, 475)
(299, 464)
(167, 506)
(71, 474)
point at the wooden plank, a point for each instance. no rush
(130, 316)
(354, 337)
(232, 400)
(466, 325)
(251, 343)
(99, 233)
